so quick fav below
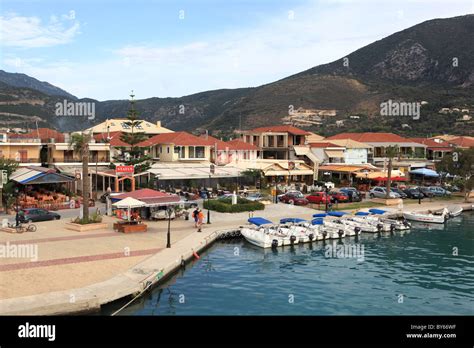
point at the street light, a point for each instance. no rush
(169, 210)
(212, 170)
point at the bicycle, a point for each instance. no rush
(20, 228)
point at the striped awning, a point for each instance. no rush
(33, 176)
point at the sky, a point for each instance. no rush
(103, 49)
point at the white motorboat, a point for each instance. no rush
(262, 237)
(454, 210)
(374, 213)
(370, 224)
(331, 229)
(437, 217)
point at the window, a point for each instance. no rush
(161, 149)
(167, 149)
(179, 150)
(138, 126)
(197, 152)
(200, 152)
(125, 126)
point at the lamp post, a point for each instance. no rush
(169, 210)
(367, 190)
(212, 170)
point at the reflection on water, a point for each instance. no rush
(430, 268)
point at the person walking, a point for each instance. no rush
(196, 216)
(200, 220)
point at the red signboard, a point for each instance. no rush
(124, 170)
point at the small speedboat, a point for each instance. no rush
(436, 217)
(262, 237)
(331, 229)
(387, 223)
(454, 210)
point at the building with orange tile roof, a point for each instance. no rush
(275, 142)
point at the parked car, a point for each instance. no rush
(452, 188)
(381, 192)
(353, 194)
(439, 191)
(414, 193)
(318, 198)
(294, 197)
(255, 196)
(280, 195)
(402, 194)
(36, 214)
(338, 197)
(426, 192)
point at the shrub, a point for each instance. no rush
(225, 205)
(93, 219)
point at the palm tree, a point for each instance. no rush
(390, 152)
(80, 144)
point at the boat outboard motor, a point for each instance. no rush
(311, 237)
(379, 228)
(274, 243)
(340, 233)
(392, 228)
(292, 239)
(325, 233)
(406, 223)
(357, 230)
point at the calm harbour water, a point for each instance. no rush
(411, 273)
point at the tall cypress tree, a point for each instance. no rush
(137, 157)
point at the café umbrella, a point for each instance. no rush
(425, 172)
(129, 203)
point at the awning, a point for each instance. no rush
(34, 176)
(425, 172)
(128, 203)
(150, 197)
(380, 175)
(288, 172)
(334, 153)
(301, 150)
(182, 171)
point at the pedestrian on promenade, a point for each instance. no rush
(200, 220)
(196, 216)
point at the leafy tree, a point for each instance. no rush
(390, 152)
(460, 163)
(137, 156)
(8, 189)
(253, 173)
(80, 144)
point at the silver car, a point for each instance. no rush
(381, 192)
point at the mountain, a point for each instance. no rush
(25, 81)
(432, 62)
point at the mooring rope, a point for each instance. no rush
(137, 296)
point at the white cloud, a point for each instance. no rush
(279, 46)
(30, 32)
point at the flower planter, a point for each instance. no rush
(390, 201)
(87, 227)
(126, 228)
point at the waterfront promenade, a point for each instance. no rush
(79, 271)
